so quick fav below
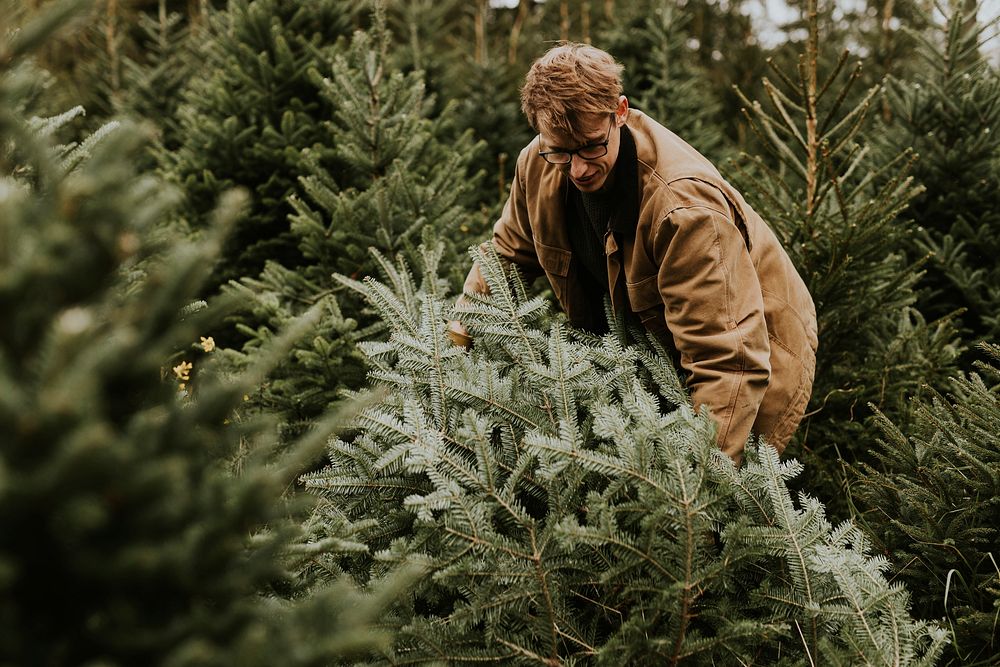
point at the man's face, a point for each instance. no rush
(593, 129)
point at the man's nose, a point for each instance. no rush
(577, 166)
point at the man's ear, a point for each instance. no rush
(621, 113)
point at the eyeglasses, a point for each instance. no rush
(588, 152)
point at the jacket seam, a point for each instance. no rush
(665, 184)
(659, 225)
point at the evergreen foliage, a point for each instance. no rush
(34, 81)
(124, 537)
(154, 77)
(948, 111)
(94, 65)
(247, 120)
(83, 65)
(309, 379)
(488, 103)
(555, 488)
(886, 32)
(405, 175)
(837, 210)
(69, 155)
(571, 506)
(406, 169)
(730, 53)
(427, 34)
(99, 77)
(932, 503)
(125, 58)
(481, 73)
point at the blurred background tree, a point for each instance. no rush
(126, 535)
(247, 120)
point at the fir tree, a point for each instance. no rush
(124, 537)
(85, 63)
(403, 169)
(249, 123)
(932, 503)
(247, 120)
(571, 506)
(310, 378)
(154, 77)
(488, 103)
(124, 58)
(427, 34)
(948, 111)
(484, 86)
(729, 53)
(403, 175)
(837, 212)
(35, 81)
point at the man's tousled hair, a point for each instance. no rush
(567, 82)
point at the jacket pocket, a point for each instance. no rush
(554, 260)
(643, 294)
(789, 325)
(645, 300)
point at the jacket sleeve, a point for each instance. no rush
(715, 312)
(512, 235)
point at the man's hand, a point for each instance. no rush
(459, 335)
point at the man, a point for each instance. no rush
(607, 200)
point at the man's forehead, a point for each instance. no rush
(587, 129)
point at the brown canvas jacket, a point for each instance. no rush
(691, 259)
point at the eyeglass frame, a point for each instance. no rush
(603, 144)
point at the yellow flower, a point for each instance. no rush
(207, 344)
(183, 371)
